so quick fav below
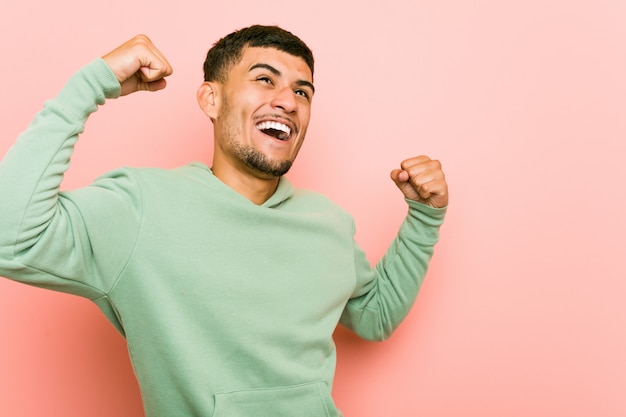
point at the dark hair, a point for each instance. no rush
(228, 51)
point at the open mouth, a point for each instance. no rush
(276, 130)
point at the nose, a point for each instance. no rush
(285, 99)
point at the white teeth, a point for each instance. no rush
(273, 125)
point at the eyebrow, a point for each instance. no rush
(274, 71)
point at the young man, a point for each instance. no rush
(226, 282)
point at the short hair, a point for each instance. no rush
(228, 51)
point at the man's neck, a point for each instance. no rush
(254, 187)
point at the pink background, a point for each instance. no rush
(524, 102)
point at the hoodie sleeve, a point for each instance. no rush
(385, 294)
(44, 240)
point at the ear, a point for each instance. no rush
(208, 99)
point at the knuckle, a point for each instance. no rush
(142, 38)
(425, 187)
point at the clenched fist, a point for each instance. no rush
(138, 65)
(421, 179)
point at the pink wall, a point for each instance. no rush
(524, 102)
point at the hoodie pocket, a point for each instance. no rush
(306, 400)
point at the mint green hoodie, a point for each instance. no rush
(228, 308)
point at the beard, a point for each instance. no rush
(259, 162)
(250, 156)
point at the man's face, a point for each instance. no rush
(263, 112)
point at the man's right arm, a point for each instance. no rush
(32, 170)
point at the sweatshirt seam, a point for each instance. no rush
(101, 292)
(134, 246)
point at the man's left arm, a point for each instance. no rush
(386, 293)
